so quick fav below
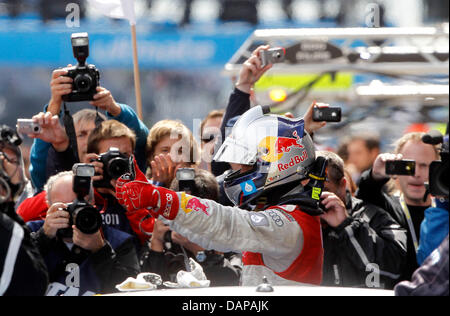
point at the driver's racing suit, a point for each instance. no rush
(281, 243)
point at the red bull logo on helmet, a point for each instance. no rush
(191, 203)
(273, 148)
(293, 162)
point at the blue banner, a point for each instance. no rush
(166, 49)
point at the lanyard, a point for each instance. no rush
(410, 223)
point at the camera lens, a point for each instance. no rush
(117, 167)
(442, 180)
(82, 83)
(87, 219)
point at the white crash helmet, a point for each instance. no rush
(279, 149)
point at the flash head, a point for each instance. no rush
(80, 46)
(83, 170)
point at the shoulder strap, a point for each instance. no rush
(70, 131)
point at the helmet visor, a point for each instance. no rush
(234, 151)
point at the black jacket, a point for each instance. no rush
(372, 191)
(22, 269)
(98, 272)
(367, 250)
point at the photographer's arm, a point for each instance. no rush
(59, 85)
(239, 101)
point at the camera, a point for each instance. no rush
(401, 167)
(272, 56)
(82, 214)
(327, 114)
(86, 78)
(186, 180)
(438, 173)
(28, 126)
(115, 164)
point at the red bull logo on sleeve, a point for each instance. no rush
(191, 203)
(273, 148)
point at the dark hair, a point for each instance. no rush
(335, 168)
(206, 185)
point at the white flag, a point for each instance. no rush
(118, 9)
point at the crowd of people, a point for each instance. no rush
(255, 200)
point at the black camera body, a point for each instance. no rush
(115, 164)
(438, 172)
(186, 180)
(86, 78)
(82, 214)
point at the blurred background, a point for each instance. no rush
(185, 46)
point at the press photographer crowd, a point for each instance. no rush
(109, 204)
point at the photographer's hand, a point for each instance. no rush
(310, 125)
(163, 169)
(60, 85)
(336, 212)
(251, 71)
(105, 101)
(51, 131)
(93, 159)
(379, 165)
(56, 218)
(92, 243)
(157, 241)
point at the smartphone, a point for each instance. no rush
(401, 167)
(327, 114)
(272, 56)
(28, 126)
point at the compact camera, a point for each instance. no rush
(86, 78)
(115, 164)
(28, 126)
(82, 214)
(272, 56)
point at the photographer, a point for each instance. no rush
(64, 87)
(170, 145)
(168, 250)
(435, 226)
(358, 236)
(80, 263)
(23, 271)
(408, 203)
